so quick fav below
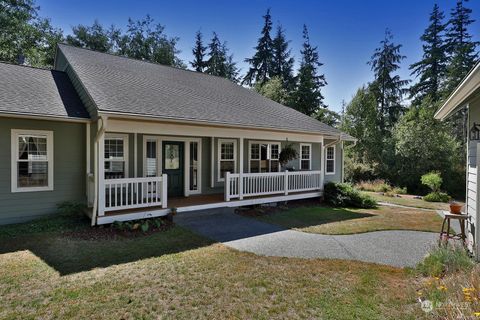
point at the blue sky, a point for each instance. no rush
(345, 31)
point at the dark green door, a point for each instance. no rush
(173, 167)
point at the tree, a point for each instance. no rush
(388, 87)
(461, 48)
(24, 36)
(282, 66)
(94, 37)
(329, 117)
(307, 97)
(145, 40)
(424, 144)
(199, 51)
(274, 90)
(431, 70)
(262, 61)
(220, 63)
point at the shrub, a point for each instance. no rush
(398, 190)
(377, 185)
(433, 180)
(71, 207)
(437, 197)
(345, 195)
(445, 260)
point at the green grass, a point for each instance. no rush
(178, 275)
(327, 220)
(409, 201)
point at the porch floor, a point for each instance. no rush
(198, 202)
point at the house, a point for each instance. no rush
(467, 94)
(134, 139)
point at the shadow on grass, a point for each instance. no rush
(49, 240)
(303, 217)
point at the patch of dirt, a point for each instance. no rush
(109, 232)
(267, 209)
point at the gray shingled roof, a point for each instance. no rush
(119, 84)
(26, 90)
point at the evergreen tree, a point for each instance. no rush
(146, 40)
(282, 66)
(274, 90)
(94, 37)
(307, 97)
(199, 51)
(431, 70)
(461, 48)
(262, 61)
(220, 63)
(387, 86)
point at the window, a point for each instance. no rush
(116, 150)
(305, 156)
(193, 166)
(151, 161)
(330, 163)
(264, 157)
(32, 160)
(227, 155)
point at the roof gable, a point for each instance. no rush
(34, 91)
(128, 86)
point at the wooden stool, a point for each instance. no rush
(445, 233)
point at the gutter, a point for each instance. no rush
(100, 132)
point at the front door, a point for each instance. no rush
(173, 167)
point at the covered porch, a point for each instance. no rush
(147, 168)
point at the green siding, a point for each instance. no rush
(69, 170)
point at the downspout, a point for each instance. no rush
(100, 131)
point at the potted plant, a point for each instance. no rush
(455, 207)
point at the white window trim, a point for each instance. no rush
(124, 136)
(186, 156)
(309, 145)
(219, 156)
(15, 133)
(334, 160)
(269, 143)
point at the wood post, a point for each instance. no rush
(286, 183)
(164, 190)
(227, 186)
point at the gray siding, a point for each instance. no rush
(69, 170)
(337, 177)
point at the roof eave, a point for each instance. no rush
(458, 97)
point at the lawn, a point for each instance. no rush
(327, 220)
(409, 201)
(175, 274)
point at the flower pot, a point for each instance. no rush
(456, 208)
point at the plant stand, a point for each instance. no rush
(445, 234)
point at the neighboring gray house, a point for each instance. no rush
(467, 94)
(134, 139)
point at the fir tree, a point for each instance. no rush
(461, 48)
(199, 63)
(262, 61)
(387, 86)
(307, 97)
(431, 70)
(220, 63)
(94, 37)
(282, 60)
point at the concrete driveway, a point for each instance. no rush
(394, 248)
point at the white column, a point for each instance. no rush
(212, 162)
(101, 174)
(227, 186)
(240, 169)
(164, 190)
(285, 181)
(135, 155)
(87, 129)
(322, 165)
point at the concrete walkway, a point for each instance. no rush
(394, 248)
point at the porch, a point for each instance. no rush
(146, 173)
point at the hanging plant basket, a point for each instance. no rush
(287, 154)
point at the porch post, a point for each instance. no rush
(227, 186)
(285, 186)
(322, 165)
(101, 174)
(164, 190)
(240, 175)
(212, 162)
(135, 173)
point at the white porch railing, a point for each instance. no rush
(130, 193)
(262, 184)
